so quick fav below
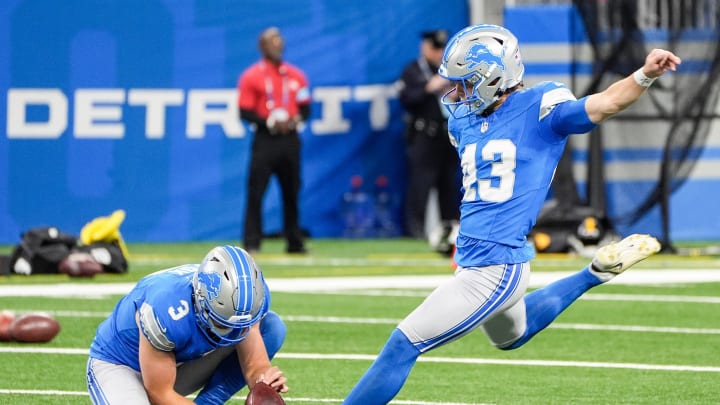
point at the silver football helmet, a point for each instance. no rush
(486, 60)
(229, 294)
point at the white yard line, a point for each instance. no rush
(381, 285)
(235, 398)
(429, 359)
(395, 321)
(319, 284)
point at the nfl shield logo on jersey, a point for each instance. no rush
(484, 127)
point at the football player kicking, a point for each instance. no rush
(194, 327)
(509, 140)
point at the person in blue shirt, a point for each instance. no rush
(509, 140)
(194, 327)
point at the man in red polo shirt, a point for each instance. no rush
(275, 98)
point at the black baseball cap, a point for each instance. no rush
(438, 38)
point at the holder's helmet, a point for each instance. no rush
(229, 294)
(486, 60)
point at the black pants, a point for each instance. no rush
(432, 163)
(278, 155)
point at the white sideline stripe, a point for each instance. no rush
(284, 260)
(635, 328)
(537, 279)
(697, 299)
(398, 402)
(44, 350)
(540, 363)
(44, 392)
(393, 321)
(314, 284)
(430, 359)
(234, 398)
(556, 325)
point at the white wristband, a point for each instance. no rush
(641, 79)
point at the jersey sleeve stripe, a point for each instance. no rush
(552, 98)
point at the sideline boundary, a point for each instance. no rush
(319, 284)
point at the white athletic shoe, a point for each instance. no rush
(620, 256)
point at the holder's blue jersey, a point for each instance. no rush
(164, 303)
(508, 162)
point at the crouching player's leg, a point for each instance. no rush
(223, 376)
(115, 384)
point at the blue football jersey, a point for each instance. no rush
(508, 160)
(164, 303)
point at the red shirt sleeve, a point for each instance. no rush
(302, 93)
(250, 94)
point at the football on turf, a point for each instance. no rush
(263, 394)
(6, 318)
(34, 328)
(80, 264)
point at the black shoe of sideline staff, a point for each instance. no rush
(252, 249)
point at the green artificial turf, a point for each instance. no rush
(565, 364)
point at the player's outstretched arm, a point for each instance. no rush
(621, 94)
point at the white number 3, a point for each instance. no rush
(178, 312)
(498, 187)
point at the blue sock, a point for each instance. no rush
(383, 380)
(228, 378)
(543, 305)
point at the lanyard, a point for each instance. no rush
(425, 69)
(428, 74)
(270, 103)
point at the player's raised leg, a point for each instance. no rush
(617, 257)
(545, 304)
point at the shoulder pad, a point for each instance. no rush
(552, 97)
(152, 329)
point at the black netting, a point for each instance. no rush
(679, 107)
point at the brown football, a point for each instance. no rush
(263, 394)
(34, 328)
(6, 318)
(80, 265)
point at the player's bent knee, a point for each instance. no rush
(514, 344)
(273, 331)
(510, 345)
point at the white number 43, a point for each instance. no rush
(502, 153)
